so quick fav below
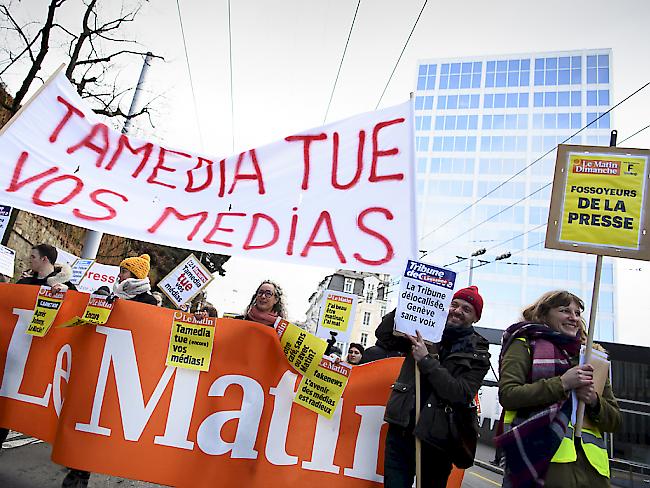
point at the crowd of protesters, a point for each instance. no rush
(540, 378)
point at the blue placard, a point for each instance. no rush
(430, 274)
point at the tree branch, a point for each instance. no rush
(38, 61)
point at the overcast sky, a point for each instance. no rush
(285, 56)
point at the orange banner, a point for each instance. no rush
(129, 415)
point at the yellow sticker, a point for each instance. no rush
(322, 391)
(336, 314)
(303, 350)
(73, 322)
(48, 303)
(98, 309)
(191, 341)
(603, 200)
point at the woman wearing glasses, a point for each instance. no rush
(266, 304)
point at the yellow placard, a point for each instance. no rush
(73, 322)
(47, 306)
(303, 350)
(191, 341)
(603, 200)
(336, 315)
(322, 391)
(98, 309)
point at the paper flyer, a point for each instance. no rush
(322, 391)
(424, 297)
(336, 315)
(47, 307)
(191, 341)
(303, 350)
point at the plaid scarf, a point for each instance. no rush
(533, 439)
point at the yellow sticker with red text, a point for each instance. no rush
(48, 303)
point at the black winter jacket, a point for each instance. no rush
(453, 380)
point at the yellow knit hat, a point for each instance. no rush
(139, 267)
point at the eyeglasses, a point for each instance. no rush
(265, 293)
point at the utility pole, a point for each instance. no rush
(480, 252)
(94, 237)
(500, 257)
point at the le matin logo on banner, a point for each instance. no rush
(322, 391)
(47, 307)
(191, 341)
(598, 201)
(302, 349)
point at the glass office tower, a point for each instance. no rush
(481, 120)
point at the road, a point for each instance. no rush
(25, 463)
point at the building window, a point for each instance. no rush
(460, 75)
(348, 285)
(366, 318)
(370, 293)
(558, 71)
(364, 339)
(512, 72)
(427, 77)
(382, 310)
(598, 69)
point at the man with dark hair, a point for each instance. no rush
(451, 374)
(44, 271)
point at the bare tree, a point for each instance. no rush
(94, 47)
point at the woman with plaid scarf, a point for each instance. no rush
(538, 373)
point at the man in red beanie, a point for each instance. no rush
(451, 373)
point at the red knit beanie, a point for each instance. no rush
(471, 295)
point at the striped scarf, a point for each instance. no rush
(533, 439)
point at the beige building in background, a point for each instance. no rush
(371, 290)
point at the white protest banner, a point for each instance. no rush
(97, 276)
(424, 297)
(7, 260)
(336, 315)
(79, 269)
(341, 195)
(5, 213)
(185, 281)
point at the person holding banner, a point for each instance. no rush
(133, 280)
(451, 374)
(43, 271)
(266, 304)
(132, 284)
(539, 371)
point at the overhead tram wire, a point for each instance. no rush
(511, 254)
(630, 137)
(232, 98)
(492, 216)
(533, 163)
(329, 104)
(189, 72)
(401, 54)
(504, 209)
